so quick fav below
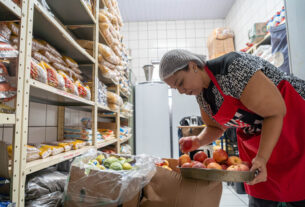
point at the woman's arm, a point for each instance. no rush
(210, 133)
(263, 98)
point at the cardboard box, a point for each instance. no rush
(170, 189)
(90, 187)
(217, 47)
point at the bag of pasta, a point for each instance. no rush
(38, 73)
(52, 76)
(69, 86)
(82, 90)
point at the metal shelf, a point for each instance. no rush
(53, 160)
(7, 118)
(9, 10)
(106, 143)
(72, 12)
(43, 93)
(48, 28)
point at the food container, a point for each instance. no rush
(217, 175)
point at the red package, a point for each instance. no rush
(52, 74)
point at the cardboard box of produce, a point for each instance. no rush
(217, 47)
(100, 185)
(169, 188)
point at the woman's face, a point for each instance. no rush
(189, 82)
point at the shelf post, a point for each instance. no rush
(26, 34)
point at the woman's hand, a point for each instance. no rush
(259, 163)
(188, 144)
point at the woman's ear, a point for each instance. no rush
(193, 66)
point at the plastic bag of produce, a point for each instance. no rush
(49, 200)
(98, 178)
(38, 72)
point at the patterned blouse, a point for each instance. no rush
(232, 72)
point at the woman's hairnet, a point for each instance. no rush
(175, 60)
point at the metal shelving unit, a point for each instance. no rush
(59, 30)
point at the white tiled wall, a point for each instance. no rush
(43, 123)
(244, 13)
(150, 40)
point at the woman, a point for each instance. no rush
(265, 105)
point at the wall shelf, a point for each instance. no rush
(9, 10)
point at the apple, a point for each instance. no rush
(232, 168)
(186, 144)
(224, 166)
(187, 165)
(207, 161)
(233, 160)
(184, 159)
(246, 163)
(200, 156)
(198, 165)
(243, 167)
(238, 167)
(220, 156)
(214, 165)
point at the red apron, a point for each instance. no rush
(286, 166)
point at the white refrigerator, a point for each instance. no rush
(152, 119)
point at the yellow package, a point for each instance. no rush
(55, 149)
(45, 151)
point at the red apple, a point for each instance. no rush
(246, 163)
(233, 160)
(200, 156)
(187, 165)
(198, 165)
(232, 168)
(207, 161)
(214, 165)
(184, 159)
(239, 167)
(220, 156)
(224, 166)
(186, 144)
(194, 162)
(242, 167)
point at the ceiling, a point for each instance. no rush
(163, 10)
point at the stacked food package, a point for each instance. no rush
(127, 109)
(126, 149)
(125, 132)
(102, 94)
(114, 101)
(8, 65)
(62, 72)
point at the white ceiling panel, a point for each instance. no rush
(164, 10)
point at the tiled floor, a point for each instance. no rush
(230, 198)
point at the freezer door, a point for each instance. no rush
(152, 123)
